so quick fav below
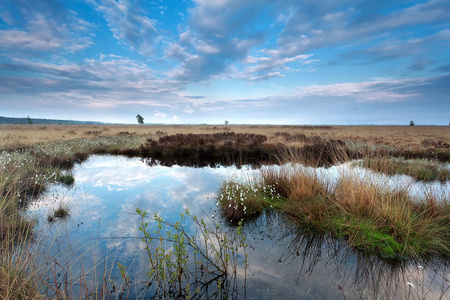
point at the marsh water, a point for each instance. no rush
(283, 263)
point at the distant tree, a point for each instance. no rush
(140, 119)
(29, 120)
(226, 122)
(411, 123)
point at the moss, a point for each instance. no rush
(364, 235)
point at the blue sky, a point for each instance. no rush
(245, 61)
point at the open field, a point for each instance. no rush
(405, 137)
(31, 156)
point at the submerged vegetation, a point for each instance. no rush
(386, 222)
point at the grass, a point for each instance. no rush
(18, 277)
(422, 170)
(59, 213)
(241, 201)
(373, 219)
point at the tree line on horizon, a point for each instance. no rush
(37, 121)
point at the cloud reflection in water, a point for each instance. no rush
(283, 263)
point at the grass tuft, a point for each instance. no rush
(60, 213)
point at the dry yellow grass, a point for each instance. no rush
(394, 136)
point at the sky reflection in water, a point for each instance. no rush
(283, 263)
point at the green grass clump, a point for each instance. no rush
(66, 179)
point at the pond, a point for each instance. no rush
(102, 230)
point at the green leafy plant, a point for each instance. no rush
(185, 264)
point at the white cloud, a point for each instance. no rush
(129, 25)
(266, 76)
(160, 115)
(42, 32)
(321, 25)
(111, 82)
(262, 68)
(188, 110)
(220, 34)
(380, 91)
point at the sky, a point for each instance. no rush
(291, 62)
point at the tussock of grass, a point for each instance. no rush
(59, 213)
(224, 147)
(371, 218)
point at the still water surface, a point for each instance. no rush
(102, 229)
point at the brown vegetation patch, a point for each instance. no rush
(93, 132)
(225, 147)
(124, 133)
(435, 144)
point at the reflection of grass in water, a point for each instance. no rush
(357, 275)
(362, 275)
(423, 170)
